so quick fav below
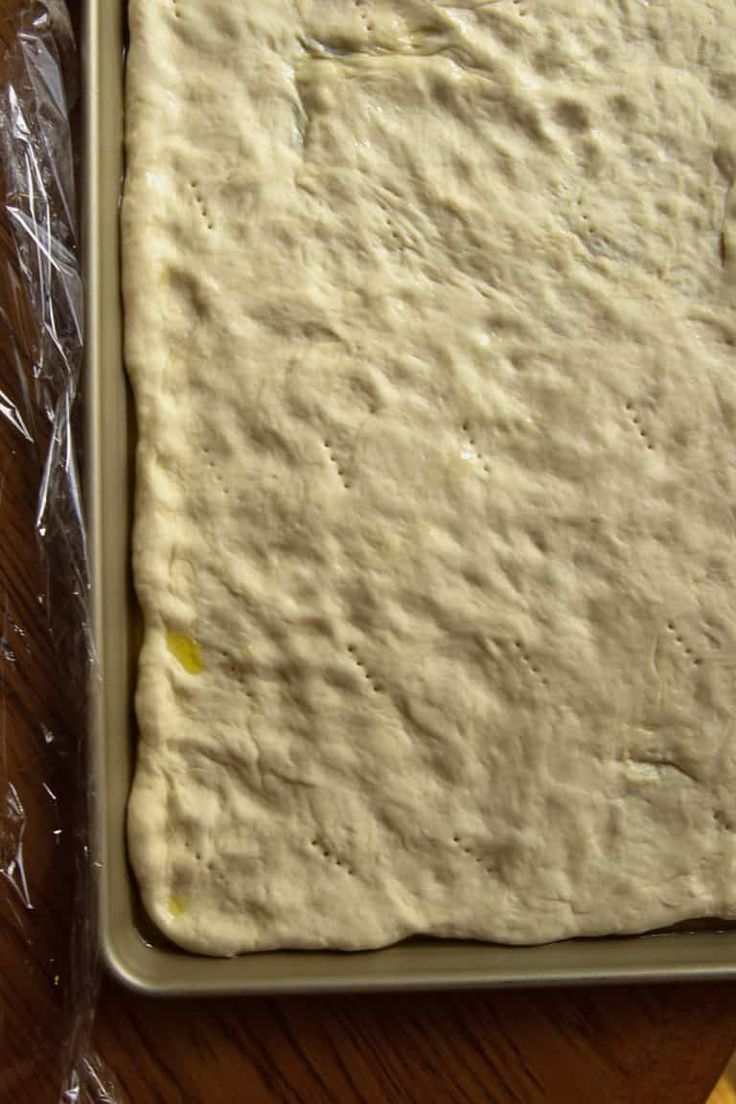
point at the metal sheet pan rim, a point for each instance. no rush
(159, 970)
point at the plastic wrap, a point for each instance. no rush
(47, 918)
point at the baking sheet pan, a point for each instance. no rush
(133, 952)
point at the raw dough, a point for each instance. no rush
(430, 320)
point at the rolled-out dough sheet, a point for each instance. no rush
(430, 321)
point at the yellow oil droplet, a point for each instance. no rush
(186, 651)
(177, 905)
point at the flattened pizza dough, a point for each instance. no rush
(430, 321)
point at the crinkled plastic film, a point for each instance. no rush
(47, 917)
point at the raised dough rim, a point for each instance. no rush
(161, 969)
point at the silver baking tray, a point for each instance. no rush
(133, 952)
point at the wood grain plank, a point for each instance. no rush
(624, 1044)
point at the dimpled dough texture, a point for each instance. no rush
(430, 320)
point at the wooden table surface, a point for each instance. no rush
(663, 1044)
